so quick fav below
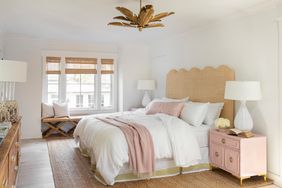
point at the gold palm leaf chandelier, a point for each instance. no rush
(145, 18)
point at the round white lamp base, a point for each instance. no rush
(243, 120)
(146, 99)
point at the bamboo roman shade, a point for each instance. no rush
(53, 65)
(107, 66)
(78, 65)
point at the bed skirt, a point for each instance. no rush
(158, 174)
(164, 168)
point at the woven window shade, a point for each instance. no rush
(77, 65)
(107, 66)
(53, 65)
(79, 60)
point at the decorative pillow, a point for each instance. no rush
(12, 107)
(194, 113)
(214, 111)
(61, 109)
(4, 113)
(47, 110)
(165, 99)
(169, 108)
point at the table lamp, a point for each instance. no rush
(11, 72)
(146, 85)
(243, 91)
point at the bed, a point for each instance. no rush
(178, 150)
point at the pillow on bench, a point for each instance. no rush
(61, 109)
(47, 110)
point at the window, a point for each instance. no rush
(79, 101)
(107, 70)
(91, 101)
(85, 83)
(53, 72)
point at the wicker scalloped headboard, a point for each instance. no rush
(206, 85)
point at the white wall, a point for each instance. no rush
(1, 44)
(29, 94)
(249, 45)
(134, 63)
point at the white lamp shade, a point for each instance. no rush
(146, 85)
(243, 90)
(13, 71)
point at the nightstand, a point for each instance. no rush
(242, 157)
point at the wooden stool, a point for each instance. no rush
(56, 124)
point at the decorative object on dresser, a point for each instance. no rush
(242, 157)
(12, 108)
(9, 157)
(222, 123)
(11, 72)
(243, 91)
(146, 85)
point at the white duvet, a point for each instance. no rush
(107, 146)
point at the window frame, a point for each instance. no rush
(62, 80)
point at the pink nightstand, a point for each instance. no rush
(242, 157)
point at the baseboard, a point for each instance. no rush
(276, 178)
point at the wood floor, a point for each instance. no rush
(35, 169)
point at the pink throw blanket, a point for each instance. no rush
(140, 145)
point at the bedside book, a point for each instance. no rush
(237, 132)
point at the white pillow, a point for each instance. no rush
(47, 110)
(194, 113)
(61, 109)
(214, 111)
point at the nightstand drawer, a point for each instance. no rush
(219, 139)
(217, 155)
(232, 161)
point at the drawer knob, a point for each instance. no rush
(16, 168)
(216, 154)
(14, 158)
(230, 159)
(5, 183)
(223, 141)
(17, 144)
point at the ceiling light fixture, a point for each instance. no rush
(145, 19)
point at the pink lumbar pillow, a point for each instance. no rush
(169, 108)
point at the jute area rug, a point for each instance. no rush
(72, 170)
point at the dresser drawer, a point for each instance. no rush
(13, 168)
(224, 140)
(4, 178)
(232, 161)
(217, 155)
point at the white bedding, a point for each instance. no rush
(202, 135)
(107, 146)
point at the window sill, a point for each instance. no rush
(90, 112)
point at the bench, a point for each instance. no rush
(55, 125)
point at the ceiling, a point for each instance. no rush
(86, 20)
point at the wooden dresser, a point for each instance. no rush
(9, 157)
(242, 157)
